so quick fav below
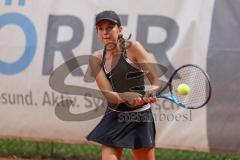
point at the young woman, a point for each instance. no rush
(118, 130)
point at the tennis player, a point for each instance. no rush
(134, 129)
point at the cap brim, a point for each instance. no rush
(110, 19)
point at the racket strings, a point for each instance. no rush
(198, 83)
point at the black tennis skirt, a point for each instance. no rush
(125, 129)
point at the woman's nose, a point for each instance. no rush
(105, 31)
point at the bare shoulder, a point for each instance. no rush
(96, 58)
(135, 45)
(98, 54)
(136, 51)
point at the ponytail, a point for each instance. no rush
(122, 41)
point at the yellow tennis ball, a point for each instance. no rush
(183, 89)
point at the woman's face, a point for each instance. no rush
(108, 31)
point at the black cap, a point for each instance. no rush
(108, 15)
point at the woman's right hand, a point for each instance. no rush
(132, 98)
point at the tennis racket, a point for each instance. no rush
(192, 76)
(198, 82)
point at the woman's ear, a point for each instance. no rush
(120, 29)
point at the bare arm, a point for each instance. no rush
(148, 64)
(101, 80)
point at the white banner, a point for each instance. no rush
(39, 36)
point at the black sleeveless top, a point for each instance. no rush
(125, 77)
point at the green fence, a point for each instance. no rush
(58, 151)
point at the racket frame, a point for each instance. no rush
(172, 96)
